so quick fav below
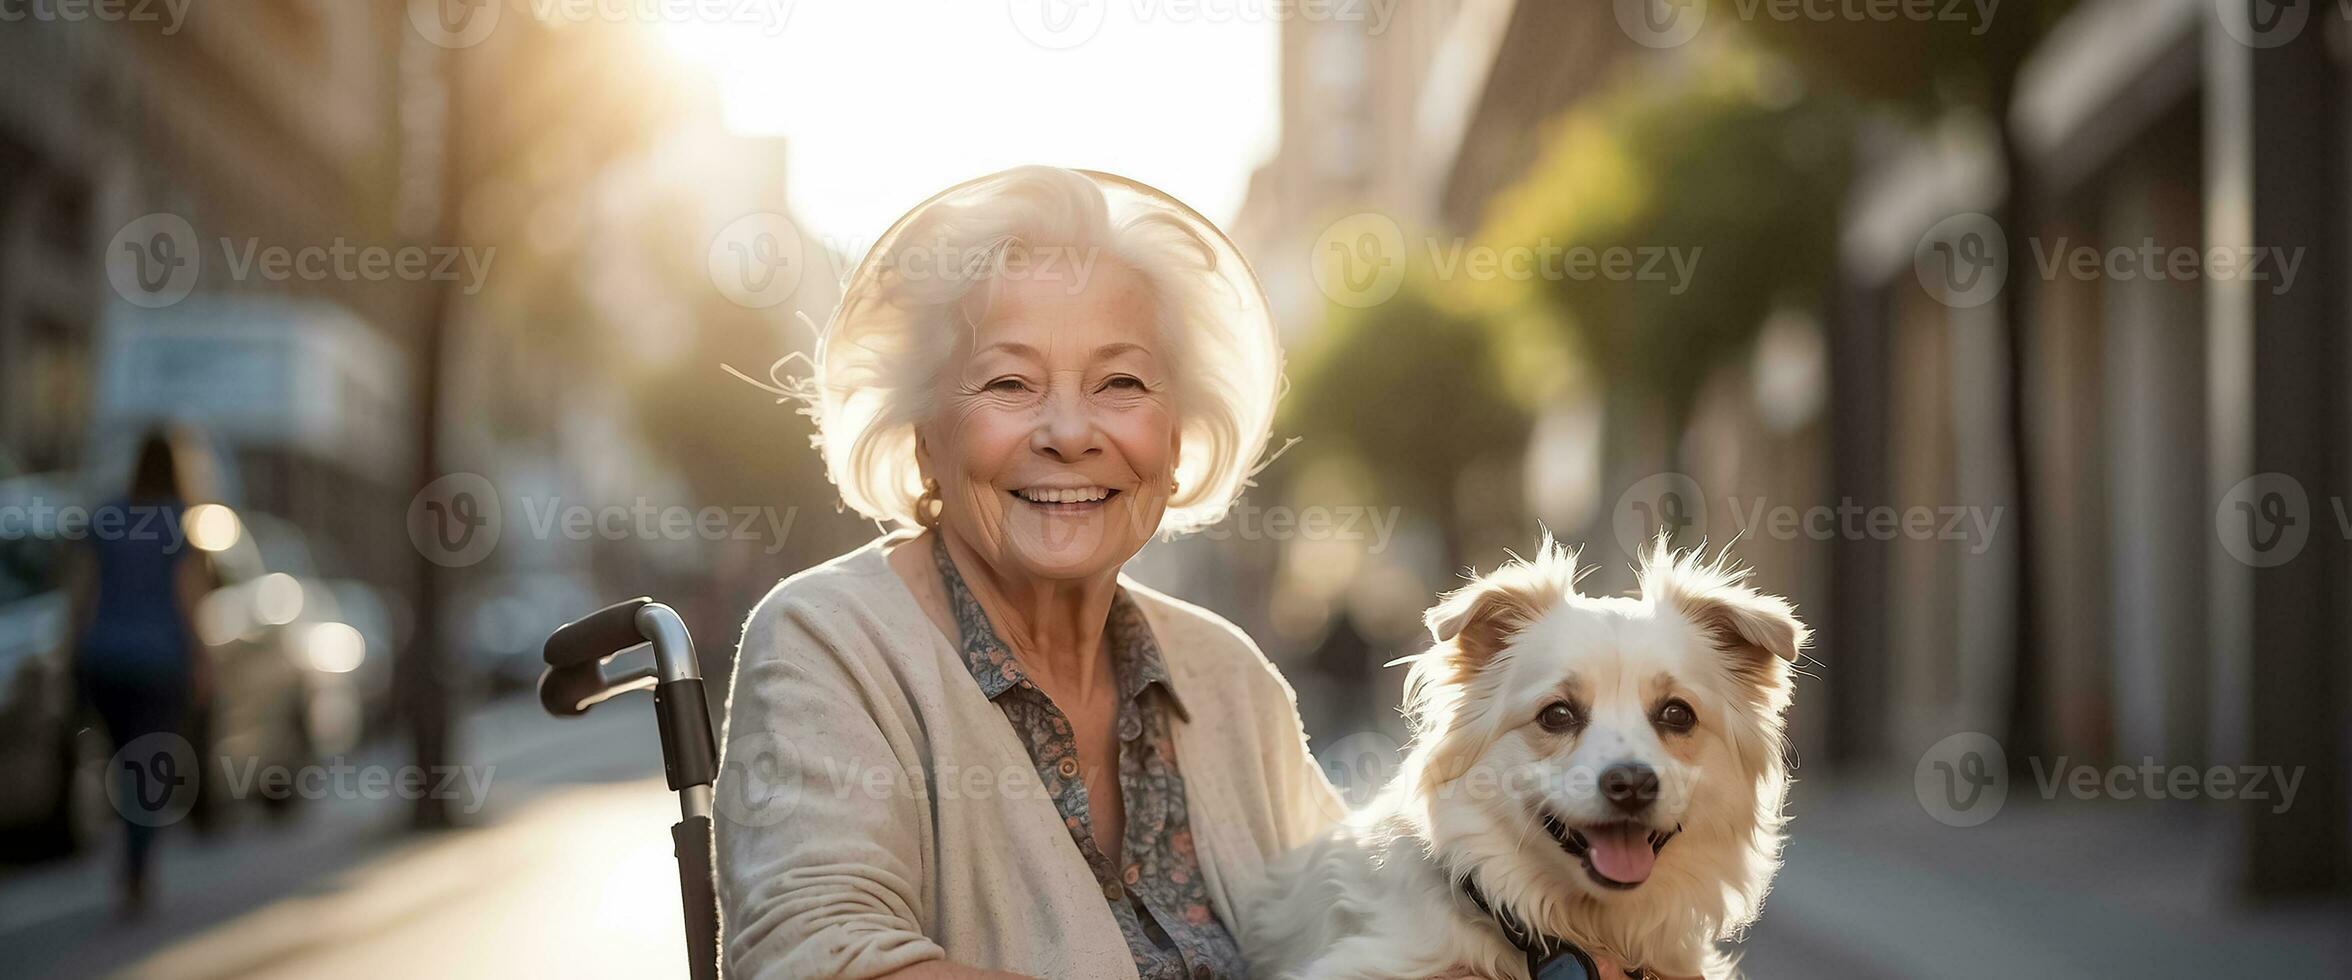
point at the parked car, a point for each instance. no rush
(343, 633)
(287, 668)
(50, 755)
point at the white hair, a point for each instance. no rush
(878, 360)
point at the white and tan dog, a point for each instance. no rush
(1608, 771)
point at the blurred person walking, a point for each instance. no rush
(137, 662)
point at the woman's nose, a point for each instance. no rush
(1067, 431)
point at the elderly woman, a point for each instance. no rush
(972, 746)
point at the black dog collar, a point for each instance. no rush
(1548, 957)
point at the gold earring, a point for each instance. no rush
(1174, 487)
(924, 513)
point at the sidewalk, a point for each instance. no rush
(578, 883)
(567, 872)
(263, 891)
(1874, 887)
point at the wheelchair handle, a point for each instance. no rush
(598, 635)
(576, 655)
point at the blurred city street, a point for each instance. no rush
(349, 349)
(564, 871)
(1873, 888)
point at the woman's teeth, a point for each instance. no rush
(1081, 495)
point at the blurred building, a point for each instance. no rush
(1419, 124)
(2151, 401)
(1360, 108)
(554, 184)
(2154, 395)
(276, 129)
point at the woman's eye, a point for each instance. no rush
(1008, 384)
(1127, 381)
(1558, 716)
(1677, 716)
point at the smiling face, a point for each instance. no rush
(1620, 739)
(1054, 439)
(1621, 720)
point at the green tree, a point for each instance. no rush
(1412, 389)
(1718, 190)
(1930, 67)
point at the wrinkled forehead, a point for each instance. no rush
(1068, 315)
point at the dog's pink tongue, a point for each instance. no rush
(1622, 853)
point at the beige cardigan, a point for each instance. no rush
(875, 811)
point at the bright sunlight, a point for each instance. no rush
(882, 104)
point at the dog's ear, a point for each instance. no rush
(1714, 596)
(1745, 617)
(1480, 618)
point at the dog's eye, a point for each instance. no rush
(1558, 716)
(1676, 716)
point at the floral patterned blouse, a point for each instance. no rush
(1158, 898)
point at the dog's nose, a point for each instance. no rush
(1630, 787)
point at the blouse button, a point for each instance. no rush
(1068, 768)
(1112, 891)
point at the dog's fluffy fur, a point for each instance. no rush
(1378, 897)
